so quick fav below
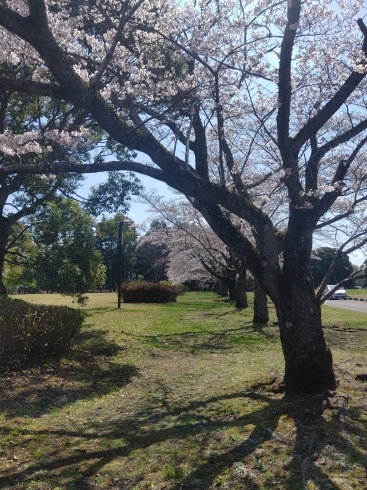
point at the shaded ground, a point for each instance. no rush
(182, 396)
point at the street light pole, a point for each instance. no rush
(120, 253)
(120, 244)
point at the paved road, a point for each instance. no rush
(348, 304)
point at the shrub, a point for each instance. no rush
(148, 292)
(31, 333)
(180, 288)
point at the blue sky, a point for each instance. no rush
(139, 212)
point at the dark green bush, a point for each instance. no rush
(148, 292)
(31, 333)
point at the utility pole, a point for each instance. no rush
(119, 254)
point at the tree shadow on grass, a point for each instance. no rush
(312, 434)
(100, 309)
(91, 343)
(136, 437)
(325, 443)
(142, 431)
(249, 337)
(271, 334)
(88, 371)
(346, 338)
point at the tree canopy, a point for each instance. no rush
(44, 130)
(67, 260)
(107, 245)
(320, 265)
(255, 112)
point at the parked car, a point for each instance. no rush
(338, 294)
(358, 287)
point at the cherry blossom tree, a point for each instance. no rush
(255, 111)
(152, 252)
(194, 251)
(37, 126)
(22, 195)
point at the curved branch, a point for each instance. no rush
(33, 88)
(331, 107)
(84, 168)
(241, 245)
(329, 198)
(321, 151)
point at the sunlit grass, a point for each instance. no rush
(176, 396)
(360, 293)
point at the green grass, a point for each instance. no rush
(358, 293)
(178, 396)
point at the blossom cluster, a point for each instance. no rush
(34, 142)
(159, 63)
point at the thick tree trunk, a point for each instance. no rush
(261, 312)
(308, 360)
(241, 295)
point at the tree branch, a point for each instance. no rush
(334, 104)
(84, 168)
(354, 275)
(285, 87)
(35, 88)
(329, 198)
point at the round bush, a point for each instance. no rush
(30, 333)
(148, 292)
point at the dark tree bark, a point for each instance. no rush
(232, 290)
(261, 312)
(221, 289)
(3, 291)
(241, 295)
(308, 360)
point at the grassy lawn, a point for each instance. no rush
(182, 396)
(357, 293)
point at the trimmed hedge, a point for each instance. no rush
(30, 333)
(148, 292)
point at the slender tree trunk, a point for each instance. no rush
(261, 312)
(232, 288)
(221, 289)
(3, 291)
(241, 295)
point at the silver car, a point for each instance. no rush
(338, 294)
